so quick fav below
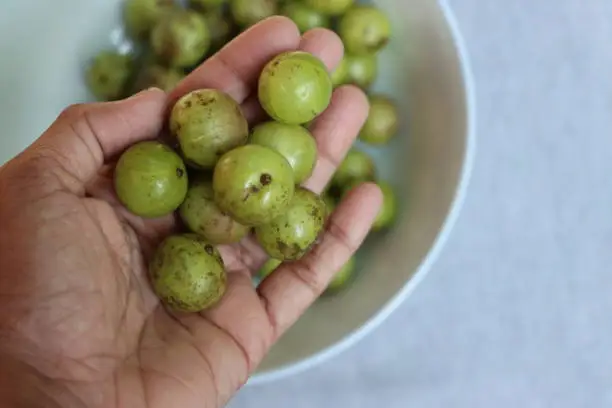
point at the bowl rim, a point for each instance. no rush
(461, 191)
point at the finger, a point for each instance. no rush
(240, 323)
(242, 315)
(84, 136)
(200, 356)
(245, 255)
(236, 68)
(293, 287)
(335, 132)
(320, 42)
(324, 44)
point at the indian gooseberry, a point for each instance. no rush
(187, 273)
(205, 5)
(253, 184)
(356, 166)
(382, 123)
(181, 39)
(340, 76)
(220, 27)
(108, 75)
(361, 70)
(141, 16)
(364, 29)
(330, 203)
(342, 277)
(305, 17)
(249, 12)
(269, 267)
(330, 7)
(387, 214)
(150, 179)
(291, 235)
(388, 211)
(293, 142)
(295, 87)
(207, 123)
(201, 215)
(158, 76)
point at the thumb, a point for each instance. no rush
(85, 136)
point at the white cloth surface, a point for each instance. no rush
(517, 311)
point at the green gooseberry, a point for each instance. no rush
(206, 5)
(330, 7)
(140, 16)
(362, 70)
(221, 28)
(150, 179)
(207, 124)
(364, 29)
(295, 88)
(250, 12)
(357, 166)
(305, 17)
(343, 277)
(388, 212)
(253, 184)
(340, 76)
(108, 74)
(158, 76)
(293, 142)
(268, 268)
(201, 215)
(181, 39)
(290, 236)
(187, 273)
(382, 123)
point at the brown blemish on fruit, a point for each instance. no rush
(265, 179)
(282, 247)
(205, 100)
(176, 303)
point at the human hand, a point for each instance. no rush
(79, 324)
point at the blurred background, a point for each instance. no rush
(516, 312)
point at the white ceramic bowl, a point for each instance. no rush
(46, 44)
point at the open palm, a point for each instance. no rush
(77, 316)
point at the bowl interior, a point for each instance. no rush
(422, 69)
(45, 52)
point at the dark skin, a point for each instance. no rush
(79, 324)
